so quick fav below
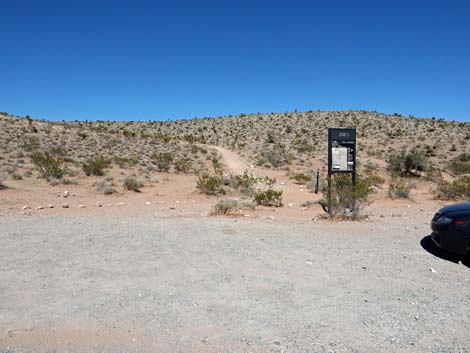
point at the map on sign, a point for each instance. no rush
(339, 159)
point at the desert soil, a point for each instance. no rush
(169, 283)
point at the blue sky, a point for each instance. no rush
(140, 60)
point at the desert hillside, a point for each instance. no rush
(399, 157)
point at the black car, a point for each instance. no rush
(451, 228)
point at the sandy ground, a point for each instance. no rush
(212, 284)
(176, 194)
(153, 272)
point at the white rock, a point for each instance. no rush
(66, 194)
(98, 204)
(432, 270)
(81, 206)
(50, 206)
(65, 205)
(290, 205)
(39, 207)
(25, 207)
(120, 204)
(148, 203)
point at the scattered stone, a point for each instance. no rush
(432, 270)
(290, 205)
(304, 208)
(57, 194)
(270, 217)
(172, 208)
(66, 194)
(309, 263)
(65, 205)
(81, 206)
(50, 206)
(120, 204)
(382, 216)
(26, 207)
(416, 318)
(98, 204)
(148, 203)
(39, 207)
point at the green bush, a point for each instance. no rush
(399, 189)
(95, 166)
(225, 206)
(269, 197)
(209, 184)
(163, 161)
(245, 182)
(132, 184)
(345, 200)
(105, 188)
(182, 165)
(461, 164)
(48, 165)
(301, 178)
(457, 189)
(406, 163)
(277, 156)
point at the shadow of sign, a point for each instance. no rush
(433, 249)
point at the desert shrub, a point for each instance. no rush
(406, 163)
(433, 173)
(122, 162)
(182, 165)
(53, 181)
(245, 182)
(371, 178)
(345, 200)
(209, 184)
(105, 188)
(301, 178)
(269, 197)
(217, 165)
(95, 166)
(163, 161)
(48, 165)
(457, 189)
(225, 206)
(2, 179)
(399, 189)
(277, 156)
(132, 184)
(17, 176)
(461, 164)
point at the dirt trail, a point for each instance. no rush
(234, 163)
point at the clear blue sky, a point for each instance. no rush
(140, 60)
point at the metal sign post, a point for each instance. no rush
(341, 156)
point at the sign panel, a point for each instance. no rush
(341, 150)
(339, 158)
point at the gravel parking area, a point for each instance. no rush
(212, 284)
